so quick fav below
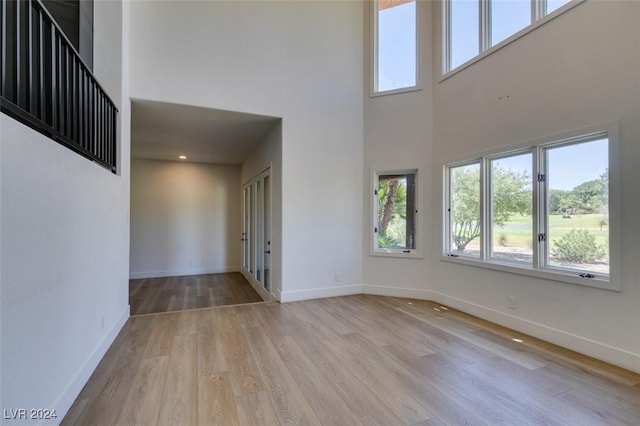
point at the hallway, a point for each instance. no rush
(172, 294)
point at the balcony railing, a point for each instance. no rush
(46, 85)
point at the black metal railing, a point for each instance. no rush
(46, 85)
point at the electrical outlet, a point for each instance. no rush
(337, 277)
(102, 322)
(513, 302)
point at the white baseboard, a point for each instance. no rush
(410, 293)
(598, 350)
(64, 401)
(182, 272)
(320, 293)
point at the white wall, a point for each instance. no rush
(269, 154)
(185, 218)
(64, 248)
(578, 70)
(301, 61)
(398, 132)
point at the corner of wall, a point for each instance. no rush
(320, 293)
(409, 293)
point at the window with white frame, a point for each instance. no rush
(394, 45)
(471, 27)
(510, 208)
(394, 212)
(577, 208)
(544, 208)
(464, 209)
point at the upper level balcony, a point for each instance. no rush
(47, 86)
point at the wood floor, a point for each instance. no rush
(156, 295)
(355, 360)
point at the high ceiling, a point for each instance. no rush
(164, 131)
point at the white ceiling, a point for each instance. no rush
(163, 131)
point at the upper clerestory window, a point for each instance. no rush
(394, 46)
(473, 29)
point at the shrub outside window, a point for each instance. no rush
(578, 206)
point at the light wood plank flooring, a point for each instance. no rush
(356, 360)
(170, 294)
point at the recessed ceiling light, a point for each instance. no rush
(182, 157)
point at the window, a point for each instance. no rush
(394, 45)
(465, 38)
(551, 5)
(395, 210)
(464, 210)
(507, 17)
(511, 215)
(547, 209)
(472, 27)
(578, 206)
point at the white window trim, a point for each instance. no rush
(447, 202)
(373, 66)
(398, 253)
(538, 269)
(484, 29)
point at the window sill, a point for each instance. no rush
(395, 91)
(413, 254)
(566, 277)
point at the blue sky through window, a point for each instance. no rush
(465, 42)
(569, 165)
(555, 4)
(508, 17)
(397, 47)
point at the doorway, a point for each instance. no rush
(256, 233)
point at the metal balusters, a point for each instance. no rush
(46, 85)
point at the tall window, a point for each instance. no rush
(464, 41)
(394, 45)
(472, 27)
(464, 210)
(578, 206)
(544, 208)
(395, 210)
(511, 215)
